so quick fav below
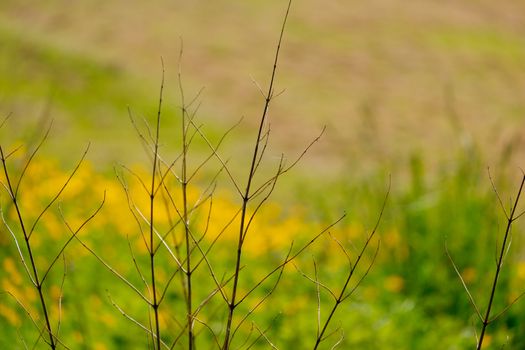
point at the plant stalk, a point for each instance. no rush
(246, 197)
(486, 319)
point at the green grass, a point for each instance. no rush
(480, 42)
(382, 88)
(411, 299)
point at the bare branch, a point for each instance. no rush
(146, 144)
(376, 252)
(263, 334)
(343, 295)
(497, 194)
(290, 258)
(6, 118)
(261, 203)
(61, 294)
(340, 341)
(214, 336)
(20, 254)
(13, 152)
(504, 246)
(218, 157)
(54, 199)
(265, 138)
(316, 281)
(134, 321)
(131, 207)
(215, 148)
(136, 176)
(74, 234)
(33, 154)
(291, 166)
(502, 312)
(266, 296)
(108, 267)
(26, 310)
(137, 267)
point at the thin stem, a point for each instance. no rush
(184, 190)
(343, 295)
(36, 279)
(245, 198)
(510, 219)
(155, 304)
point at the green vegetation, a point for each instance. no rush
(442, 212)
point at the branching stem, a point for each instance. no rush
(154, 302)
(510, 220)
(185, 212)
(246, 196)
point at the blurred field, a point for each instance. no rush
(430, 93)
(386, 77)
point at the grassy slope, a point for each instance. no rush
(86, 99)
(379, 75)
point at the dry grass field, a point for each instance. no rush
(388, 78)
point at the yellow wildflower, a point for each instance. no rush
(11, 269)
(394, 283)
(10, 315)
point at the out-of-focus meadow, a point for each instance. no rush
(423, 95)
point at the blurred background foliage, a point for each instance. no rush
(427, 93)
